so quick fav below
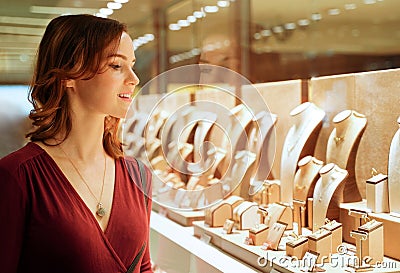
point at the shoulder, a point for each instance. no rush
(11, 163)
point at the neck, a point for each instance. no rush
(85, 141)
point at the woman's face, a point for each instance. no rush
(110, 92)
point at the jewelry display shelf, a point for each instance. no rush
(391, 226)
(182, 217)
(277, 260)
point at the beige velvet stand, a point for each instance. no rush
(245, 215)
(299, 142)
(394, 174)
(373, 246)
(321, 242)
(328, 194)
(377, 193)
(262, 132)
(259, 234)
(297, 247)
(337, 234)
(342, 147)
(266, 192)
(216, 215)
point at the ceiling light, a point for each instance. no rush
(265, 32)
(223, 4)
(174, 27)
(101, 15)
(369, 2)
(191, 19)
(113, 5)
(106, 11)
(257, 36)
(277, 29)
(303, 22)
(198, 14)
(316, 16)
(121, 1)
(211, 9)
(149, 37)
(350, 6)
(290, 26)
(334, 11)
(183, 23)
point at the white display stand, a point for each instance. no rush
(394, 174)
(299, 142)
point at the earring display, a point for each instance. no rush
(275, 234)
(297, 247)
(321, 242)
(373, 245)
(377, 193)
(274, 213)
(342, 147)
(228, 226)
(299, 142)
(393, 173)
(327, 194)
(337, 233)
(259, 234)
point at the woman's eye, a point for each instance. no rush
(115, 66)
(133, 69)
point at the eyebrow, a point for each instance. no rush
(121, 56)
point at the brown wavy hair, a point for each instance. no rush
(72, 47)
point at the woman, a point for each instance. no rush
(68, 199)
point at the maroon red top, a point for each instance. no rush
(46, 227)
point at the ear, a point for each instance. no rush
(69, 84)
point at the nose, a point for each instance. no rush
(132, 78)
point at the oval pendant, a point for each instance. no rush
(100, 210)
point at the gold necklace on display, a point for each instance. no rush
(338, 139)
(100, 211)
(293, 143)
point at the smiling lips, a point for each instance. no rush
(125, 96)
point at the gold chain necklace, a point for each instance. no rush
(100, 211)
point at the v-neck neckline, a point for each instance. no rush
(73, 191)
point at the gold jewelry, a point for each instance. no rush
(338, 140)
(100, 211)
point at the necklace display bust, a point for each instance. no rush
(342, 147)
(328, 193)
(299, 142)
(261, 137)
(306, 177)
(394, 173)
